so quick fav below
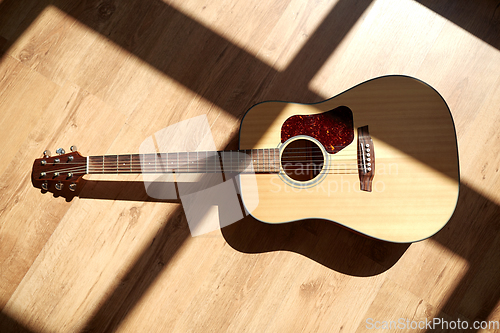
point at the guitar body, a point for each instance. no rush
(415, 182)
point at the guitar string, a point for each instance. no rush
(198, 159)
(294, 159)
(100, 170)
(95, 169)
(198, 165)
(213, 153)
(201, 166)
(183, 166)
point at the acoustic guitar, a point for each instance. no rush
(380, 158)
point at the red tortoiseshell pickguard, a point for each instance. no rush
(334, 128)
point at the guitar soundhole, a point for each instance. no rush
(302, 160)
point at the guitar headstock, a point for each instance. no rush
(60, 173)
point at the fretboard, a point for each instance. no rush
(261, 160)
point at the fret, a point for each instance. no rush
(241, 161)
(148, 163)
(136, 163)
(255, 160)
(268, 160)
(276, 163)
(184, 162)
(271, 166)
(177, 166)
(109, 164)
(192, 159)
(249, 157)
(159, 164)
(216, 157)
(206, 161)
(123, 163)
(252, 160)
(271, 163)
(218, 162)
(223, 155)
(166, 163)
(90, 164)
(263, 160)
(245, 160)
(171, 158)
(97, 162)
(225, 162)
(260, 158)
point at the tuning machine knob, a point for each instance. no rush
(60, 151)
(59, 186)
(73, 148)
(45, 186)
(46, 153)
(72, 187)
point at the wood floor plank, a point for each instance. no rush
(226, 298)
(24, 97)
(53, 44)
(398, 46)
(329, 291)
(434, 274)
(455, 65)
(411, 313)
(41, 214)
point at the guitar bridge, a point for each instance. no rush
(366, 159)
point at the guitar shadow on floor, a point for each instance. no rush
(323, 241)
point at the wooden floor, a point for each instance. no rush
(104, 75)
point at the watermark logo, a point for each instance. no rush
(209, 198)
(429, 324)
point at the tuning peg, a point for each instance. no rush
(72, 187)
(45, 186)
(60, 151)
(73, 148)
(46, 153)
(59, 186)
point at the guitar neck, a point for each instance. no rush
(238, 161)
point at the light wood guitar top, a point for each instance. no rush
(416, 177)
